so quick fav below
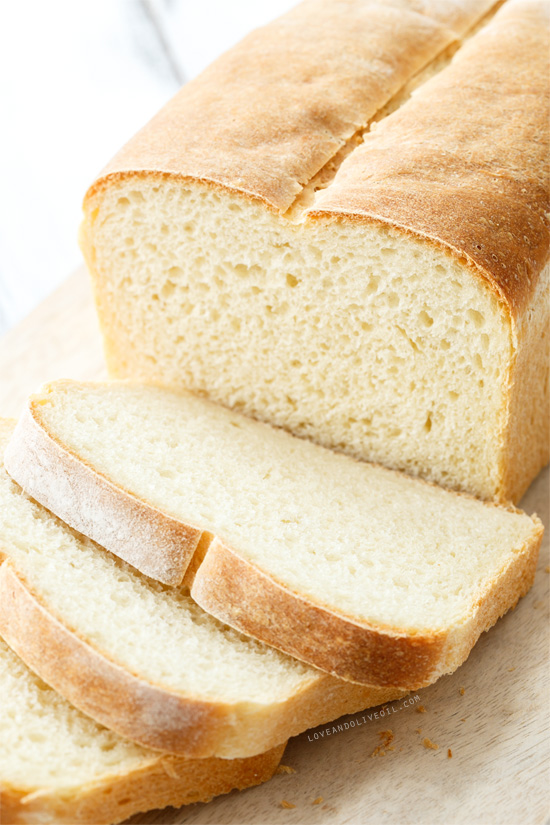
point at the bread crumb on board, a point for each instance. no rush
(285, 769)
(462, 691)
(463, 720)
(318, 800)
(285, 804)
(429, 744)
(420, 709)
(418, 730)
(386, 738)
(510, 669)
(547, 568)
(449, 753)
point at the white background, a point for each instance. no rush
(77, 79)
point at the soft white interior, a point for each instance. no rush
(353, 335)
(47, 743)
(367, 541)
(158, 633)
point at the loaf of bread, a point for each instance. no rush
(359, 570)
(58, 767)
(298, 238)
(145, 660)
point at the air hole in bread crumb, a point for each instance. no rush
(372, 285)
(477, 317)
(167, 289)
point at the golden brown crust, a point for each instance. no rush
(464, 162)
(152, 715)
(242, 595)
(99, 687)
(154, 542)
(269, 114)
(160, 781)
(526, 436)
(248, 599)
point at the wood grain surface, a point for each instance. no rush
(492, 713)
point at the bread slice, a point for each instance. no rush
(361, 571)
(143, 659)
(58, 766)
(382, 291)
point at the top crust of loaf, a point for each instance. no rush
(302, 86)
(465, 162)
(471, 175)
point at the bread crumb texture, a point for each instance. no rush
(386, 738)
(285, 769)
(254, 321)
(290, 507)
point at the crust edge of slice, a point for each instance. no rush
(156, 544)
(160, 781)
(243, 596)
(151, 715)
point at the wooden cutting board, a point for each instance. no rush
(492, 714)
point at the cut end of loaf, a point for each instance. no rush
(423, 347)
(354, 335)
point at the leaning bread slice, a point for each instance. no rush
(58, 766)
(143, 659)
(364, 572)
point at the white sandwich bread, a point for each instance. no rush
(143, 659)
(58, 767)
(362, 571)
(298, 238)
